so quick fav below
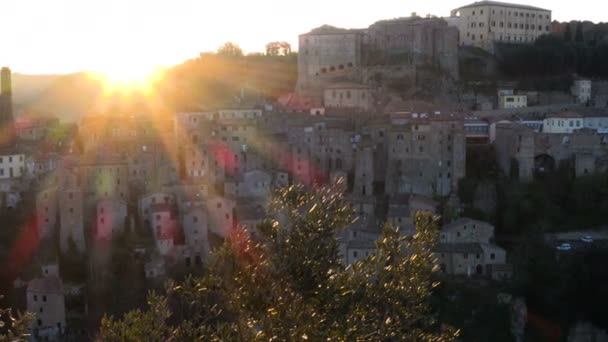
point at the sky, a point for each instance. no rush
(62, 36)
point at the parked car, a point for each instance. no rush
(587, 238)
(564, 247)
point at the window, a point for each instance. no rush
(44, 298)
(35, 298)
(355, 254)
(466, 256)
(195, 219)
(492, 256)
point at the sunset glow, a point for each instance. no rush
(127, 77)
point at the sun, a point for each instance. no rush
(128, 77)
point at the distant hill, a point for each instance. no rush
(205, 82)
(28, 87)
(67, 97)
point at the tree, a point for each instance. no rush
(290, 284)
(579, 37)
(230, 49)
(568, 33)
(14, 328)
(272, 49)
(278, 49)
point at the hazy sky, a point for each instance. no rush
(58, 36)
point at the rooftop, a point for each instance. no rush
(328, 29)
(463, 221)
(503, 4)
(46, 285)
(459, 248)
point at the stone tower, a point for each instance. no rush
(6, 108)
(364, 170)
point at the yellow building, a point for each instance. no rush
(484, 23)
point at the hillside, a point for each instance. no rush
(205, 82)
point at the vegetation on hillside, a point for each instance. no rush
(290, 285)
(213, 79)
(557, 54)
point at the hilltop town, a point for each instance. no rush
(386, 113)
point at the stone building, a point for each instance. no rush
(195, 224)
(514, 146)
(466, 248)
(165, 228)
(45, 298)
(581, 90)
(12, 165)
(111, 215)
(348, 96)
(105, 175)
(414, 41)
(484, 23)
(521, 153)
(147, 201)
(47, 212)
(71, 218)
(328, 53)
(426, 155)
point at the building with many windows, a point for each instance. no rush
(484, 23)
(11, 165)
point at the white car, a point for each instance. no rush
(587, 238)
(564, 247)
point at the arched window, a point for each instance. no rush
(332, 68)
(341, 66)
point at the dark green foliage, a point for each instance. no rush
(560, 288)
(555, 202)
(473, 306)
(579, 37)
(230, 49)
(291, 285)
(552, 55)
(568, 33)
